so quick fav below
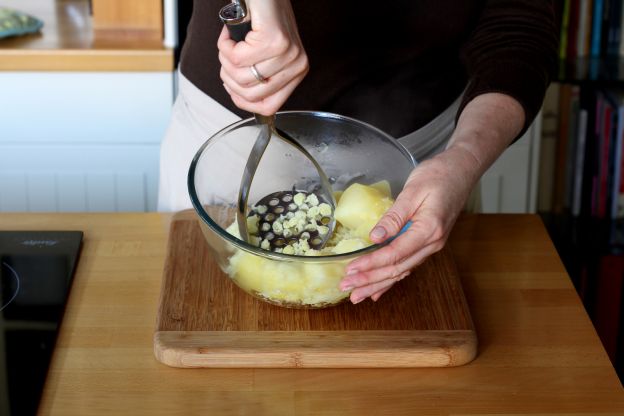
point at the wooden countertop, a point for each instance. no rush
(67, 43)
(538, 352)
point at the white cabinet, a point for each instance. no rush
(82, 141)
(510, 185)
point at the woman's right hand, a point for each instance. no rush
(274, 47)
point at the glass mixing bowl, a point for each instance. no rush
(349, 151)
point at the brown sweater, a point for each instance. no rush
(400, 64)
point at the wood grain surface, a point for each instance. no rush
(205, 320)
(538, 353)
(143, 17)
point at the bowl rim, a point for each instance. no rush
(243, 245)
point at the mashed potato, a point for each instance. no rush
(299, 283)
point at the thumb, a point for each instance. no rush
(265, 13)
(392, 222)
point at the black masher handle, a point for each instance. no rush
(234, 16)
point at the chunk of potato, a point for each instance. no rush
(383, 187)
(362, 206)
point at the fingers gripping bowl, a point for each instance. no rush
(366, 167)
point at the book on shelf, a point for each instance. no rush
(621, 45)
(607, 6)
(590, 28)
(601, 194)
(617, 201)
(596, 30)
(583, 35)
(579, 163)
(566, 119)
(571, 146)
(547, 151)
(596, 150)
(574, 20)
(612, 169)
(564, 28)
(589, 153)
(591, 103)
(613, 31)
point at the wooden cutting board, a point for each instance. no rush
(205, 320)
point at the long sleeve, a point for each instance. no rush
(398, 74)
(513, 50)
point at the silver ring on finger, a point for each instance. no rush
(257, 74)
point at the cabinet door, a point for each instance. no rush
(510, 185)
(78, 178)
(82, 141)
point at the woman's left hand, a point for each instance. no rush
(432, 198)
(434, 195)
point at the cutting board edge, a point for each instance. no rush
(315, 349)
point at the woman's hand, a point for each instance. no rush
(432, 198)
(434, 195)
(273, 46)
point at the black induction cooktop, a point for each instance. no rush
(36, 272)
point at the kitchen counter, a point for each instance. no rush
(60, 90)
(538, 352)
(67, 43)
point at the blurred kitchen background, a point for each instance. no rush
(86, 101)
